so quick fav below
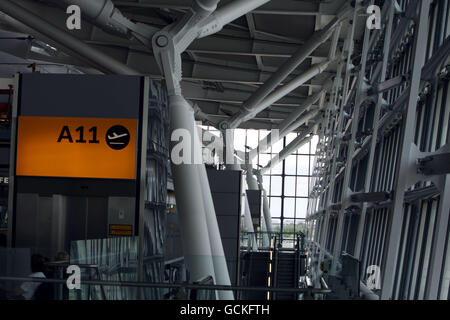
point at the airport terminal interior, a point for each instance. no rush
(224, 150)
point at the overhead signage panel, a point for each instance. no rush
(76, 147)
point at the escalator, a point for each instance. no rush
(277, 268)
(286, 274)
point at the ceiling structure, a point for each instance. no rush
(220, 72)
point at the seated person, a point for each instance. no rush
(28, 289)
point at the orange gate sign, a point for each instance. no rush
(76, 147)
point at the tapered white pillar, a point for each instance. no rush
(189, 197)
(249, 224)
(253, 185)
(266, 207)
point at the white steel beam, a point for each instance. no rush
(297, 143)
(403, 165)
(361, 95)
(376, 122)
(279, 93)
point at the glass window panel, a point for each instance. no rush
(302, 186)
(301, 207)
(304, 149)
(277, 147)
(290, 165)
(289, 186)
(263, 134)
(262, 142)
(276, 224)
(275, 207)
(303, 165)
(252, 138)
(289, 237)
(300, 226)
(278, 169)
(264, 159)
(275, 186)
(289, 208)
(239, 139)
(289, 225)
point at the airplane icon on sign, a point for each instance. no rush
(117, 137)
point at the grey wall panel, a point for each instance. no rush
(76, 219)
(226, 204)
(97, 218)
(226, 193)
(224, 181)
(227, 226)
(26, 211)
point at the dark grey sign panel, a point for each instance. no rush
(94, 96)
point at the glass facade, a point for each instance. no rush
(287, 183)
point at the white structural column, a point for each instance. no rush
(194, 227)
(373, 143)
(330, 129)
(361, 95)
(253, 185)
(405, 160)
(192, 192)
(168, 46)
(249, 224)
(266, 207)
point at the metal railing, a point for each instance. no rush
(285, 240)
(185, 286)
(201, 294)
